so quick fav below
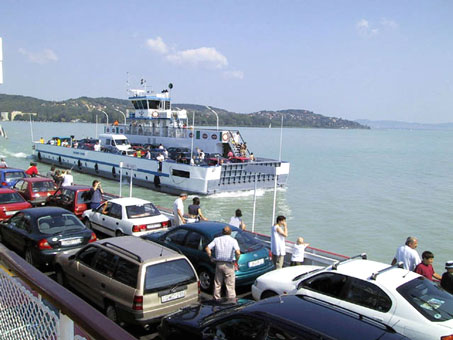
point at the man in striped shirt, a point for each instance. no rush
(227, 251)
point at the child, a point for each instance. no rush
(297, 256)
(425, 268)
(447, 277)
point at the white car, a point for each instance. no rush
(126, 216)
(409, 303)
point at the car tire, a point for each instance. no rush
(268, 294)
(60, 277)
(111, 313)
(87, 223)
(29, 257)
(206, 279)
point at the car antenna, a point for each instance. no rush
(161, 251)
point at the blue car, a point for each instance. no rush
(191, 239)
(9, 177)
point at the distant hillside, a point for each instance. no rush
(391, 124)
(85, 109)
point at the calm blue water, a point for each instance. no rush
(350, 191)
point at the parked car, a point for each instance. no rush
(174, 151)
(191, 239)
(9, 176)
(414, 306)
(126, 216)
(75, 198)
(132, 280)
(87, 143)
(40, 233)
(10, 203)
(285, 317)
(36, 189)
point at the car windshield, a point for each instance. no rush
(141, 210)
(11, 197)
(246, 242)
(167, 275)
(121, 141)
(14, 175)
(428, 298)
(54, 224)
(43, 186)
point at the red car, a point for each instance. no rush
(36, 189)
(74, 198)
(10, 203)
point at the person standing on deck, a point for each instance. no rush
(236, 220)
(32, 171)
(407, 254)
(178, 209)
(447, 277)
(3, 163)
(279, 232)
(96, 194)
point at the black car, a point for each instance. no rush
(40, 233)
(280, 317)
(174, 151)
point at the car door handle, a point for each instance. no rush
(117, 223)
(102, 285)
(103, 219)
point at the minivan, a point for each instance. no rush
(133, 280)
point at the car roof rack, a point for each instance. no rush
(363, 256)
(396, 265)
(122, 251)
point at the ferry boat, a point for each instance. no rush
(227, 166)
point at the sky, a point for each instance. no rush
(377, 60)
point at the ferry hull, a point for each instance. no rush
(173, 177)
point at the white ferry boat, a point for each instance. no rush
(226, 166)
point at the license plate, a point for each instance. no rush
(152, 226)
(9, 213)
(173, 296)
(71, 242)
(256, 263)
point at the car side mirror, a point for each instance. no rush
(72, 257)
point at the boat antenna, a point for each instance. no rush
(127, 82)
(281, 138)
(170, 86)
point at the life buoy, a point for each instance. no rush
(214, 136)
(225, 137)
(155, 114)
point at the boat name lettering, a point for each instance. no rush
(78, 153)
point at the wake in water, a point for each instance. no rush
(5, 154)
(248, 193)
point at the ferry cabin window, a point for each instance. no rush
(134, 102)
(144, 104)
(167, 105)
(181, 173)
(153, 104)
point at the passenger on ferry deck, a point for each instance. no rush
(447, 277)
(97, 147)
(41, 140)
(32, 171)
(407, 254)
(236, 220)
(148, 154)
(252, 157)
(298, 254)
(96, 194)
(279, 232)
(3, 163)
(425, 268)
(51, 172)
(161, 147)
(230, 154)
(178, 209)
(68, 179)
(165, 153)
(139, 153)
(192, 161)
(195, 210)
(160, 158)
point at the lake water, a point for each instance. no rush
(349, 191)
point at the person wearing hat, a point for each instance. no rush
(447, 277)
(178, 209)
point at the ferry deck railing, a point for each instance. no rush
(34, 307)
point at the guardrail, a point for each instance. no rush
(34, 307)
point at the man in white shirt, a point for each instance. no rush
(178, 209)
(97, 147)
(226, 252)
(68, 179)
(407, 254)
(278, 245)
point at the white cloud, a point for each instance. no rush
(364, 29)
(233, 74)
(157, 45)
(387, 23)
(42, 57)
(204, 56)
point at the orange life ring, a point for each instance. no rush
(225, 137)
(155, 114)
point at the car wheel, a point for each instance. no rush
(87, 223)
(61, 278)
(119, 233)
(206, 279)
(110, 312)
(268, 294)
(29, 257)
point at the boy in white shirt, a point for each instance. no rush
(297, 257)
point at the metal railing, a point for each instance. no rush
(34, 307)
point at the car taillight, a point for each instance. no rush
(43, 244)
(93, 238)
(164, 224)
(138, 303)
(4, 183)
(270, 255)
(138, 228)
(447, 337)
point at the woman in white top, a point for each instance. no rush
(236, 220)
